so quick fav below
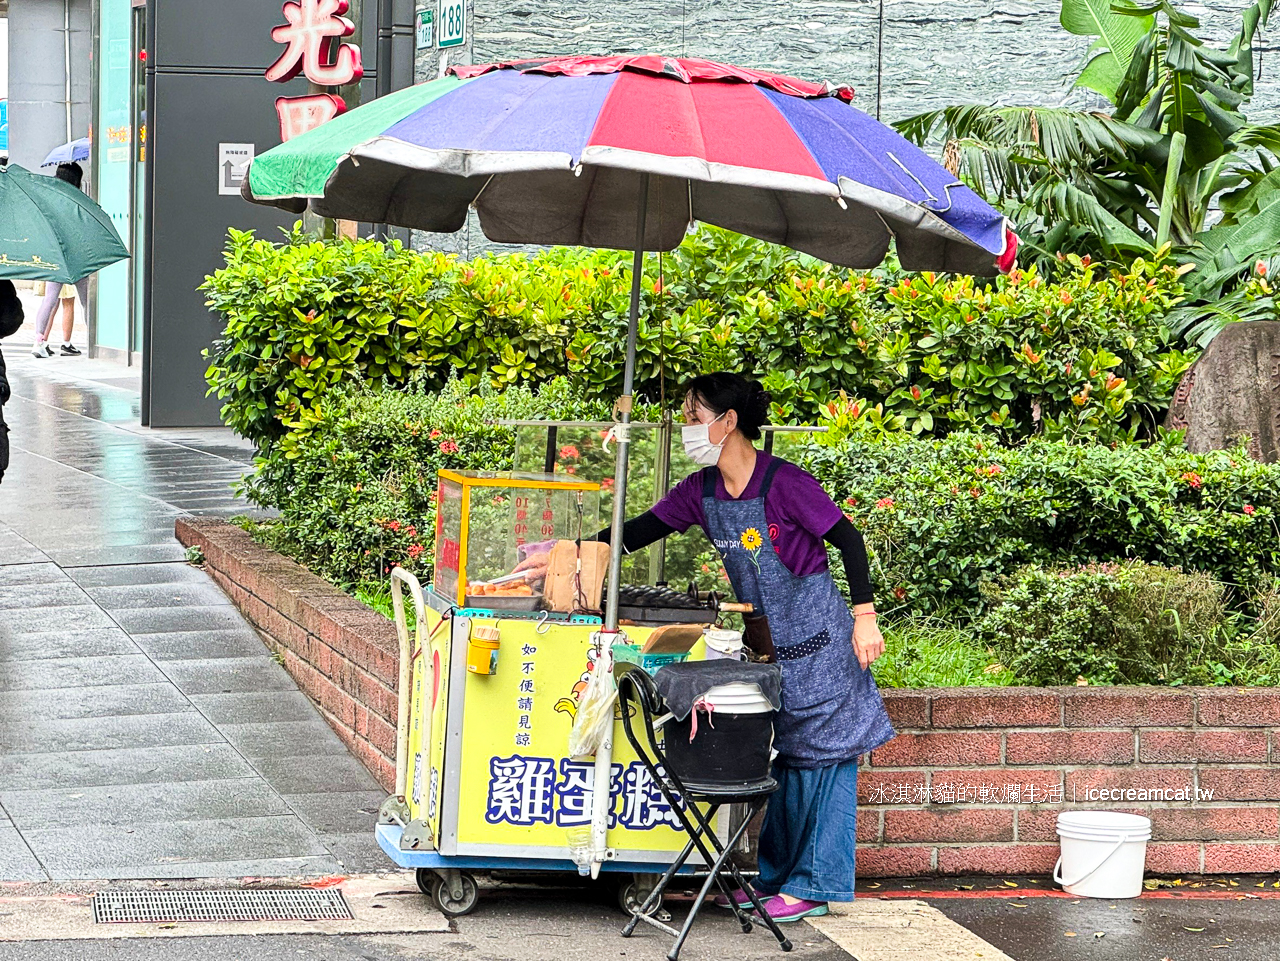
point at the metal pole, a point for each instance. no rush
(66, 59)
(624, 410)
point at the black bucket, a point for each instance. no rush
(732, 753)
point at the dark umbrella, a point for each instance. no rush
(49, 230)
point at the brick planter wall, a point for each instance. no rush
(949, 794)
(972, 784)
(343, 655)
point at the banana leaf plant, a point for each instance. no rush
(1174, 161)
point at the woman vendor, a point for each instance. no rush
(769, 520)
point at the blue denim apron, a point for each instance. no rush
(831, 708)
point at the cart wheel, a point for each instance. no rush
(451, 908)
(425, 879)
(630, 900)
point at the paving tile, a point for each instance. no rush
(54, 673)
(167, 620)
(201, 645)
(123, 554)
(102, 642)
(152, 765)
(17, 863)
(315, 775)
(228, 675)
(15, 549)
(15, 575)
(118, 575)
(101, 850)
(116, 699)
(80, 617)
(321, 866)
(255, 706)
(60, 594)
(40, 735)
(336, 812)
(158, 596)
(359, 853)
(143, 803)
(282, 738)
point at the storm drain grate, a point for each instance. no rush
(134, 907)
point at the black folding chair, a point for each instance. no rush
(637, 690)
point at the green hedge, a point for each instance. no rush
(1089, 354)
(941, 516)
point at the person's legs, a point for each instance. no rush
(807, 853)
(44, 316)
(68, 318)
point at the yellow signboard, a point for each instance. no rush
(517, 788)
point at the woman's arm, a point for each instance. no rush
(846, 538)
(868, 642)
(639, 532)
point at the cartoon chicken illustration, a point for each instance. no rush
(569, 705)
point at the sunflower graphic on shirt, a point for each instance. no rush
(752, 542)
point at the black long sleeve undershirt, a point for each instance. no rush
(639, 532)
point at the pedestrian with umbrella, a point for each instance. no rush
(65, 294)
(627, 152)
(50, 231)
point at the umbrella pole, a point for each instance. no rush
(624, 409)
(602, 794)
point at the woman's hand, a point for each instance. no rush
(868, 642)
(536, 565)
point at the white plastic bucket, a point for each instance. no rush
(1104, 853)
(737, 698)
(723, 644)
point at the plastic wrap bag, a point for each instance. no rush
(594, 719)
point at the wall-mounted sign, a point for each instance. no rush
(233, 161)
(426, 29)
(314, 48)
(451, 23)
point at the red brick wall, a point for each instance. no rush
(970, 744)
(973, 744)
(343, 655)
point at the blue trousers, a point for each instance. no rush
(809, 833)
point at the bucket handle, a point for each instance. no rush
(1070, 884)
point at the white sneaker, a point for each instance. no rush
(41, 348)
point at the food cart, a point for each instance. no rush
(490, 683)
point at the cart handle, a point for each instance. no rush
(399, 578)
(735, 607)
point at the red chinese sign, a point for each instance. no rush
(314, 48)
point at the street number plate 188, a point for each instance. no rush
(451, 26)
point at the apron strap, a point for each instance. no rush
(709, 475)
(768, 477)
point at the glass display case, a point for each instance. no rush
(487, 522)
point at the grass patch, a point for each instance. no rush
(922, 652)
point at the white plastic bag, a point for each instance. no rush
(594, 719)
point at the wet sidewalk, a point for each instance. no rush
(144, 729)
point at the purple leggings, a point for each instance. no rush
(48, 306)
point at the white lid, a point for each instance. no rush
(1104, 821)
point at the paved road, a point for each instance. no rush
(144, 729)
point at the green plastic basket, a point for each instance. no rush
(630, 654)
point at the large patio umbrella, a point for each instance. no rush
(627, 152)
(49, 230)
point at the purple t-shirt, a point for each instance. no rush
(797, 510)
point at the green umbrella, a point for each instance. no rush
(49, 230)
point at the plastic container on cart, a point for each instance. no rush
(495, 602)
(630, 654)
(732, 743)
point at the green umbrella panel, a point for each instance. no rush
(49, 230)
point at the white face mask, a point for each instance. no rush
(697, 443)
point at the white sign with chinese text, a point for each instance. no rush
(233, 161)
(426, 29)
(451, 23)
